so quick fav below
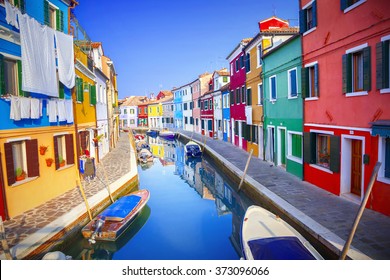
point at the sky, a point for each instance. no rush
(160, 44)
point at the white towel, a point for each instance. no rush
(25, 108)
(15, 109)
(38, 57)
(52, 110)
(66, 70)
(69, 110)
(35, 108)
(61, 110)
(11, 14)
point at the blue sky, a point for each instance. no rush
(159, 44)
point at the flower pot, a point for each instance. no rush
(42, 150)
(21, 177)
(62, 164)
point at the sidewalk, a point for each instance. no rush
(327, 216)
(27, 232)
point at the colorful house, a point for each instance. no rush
(207, 112)
(129, 113)
(167, 116)
(220, 78)
(283, 106)
(226, 112)
(143, 111)
(155, 112)
(345, 82)
(188, 105)
(36, 140)
(199, 88)
(178, 107)
(238, 93)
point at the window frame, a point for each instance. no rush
(303, 17)
(382, 157)
(290, 145)
(346, 6)
(290, 96)
(259, 50)
(271, 91)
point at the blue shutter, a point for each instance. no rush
(343, 4)
(302, 21)
(293, 81)
(316, 81)
(314, 9)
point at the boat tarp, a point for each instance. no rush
(279, 248)
(121, 208)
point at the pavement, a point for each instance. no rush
(326, 216)
(27, 232)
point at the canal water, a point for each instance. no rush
(193, 213)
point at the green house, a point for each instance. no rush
(283, 106)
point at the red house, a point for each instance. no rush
(238, 93)
(345, 83)
(143, 111)
(207, 111)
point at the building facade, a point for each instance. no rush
(345, 83)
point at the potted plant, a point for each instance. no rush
(20, 174)
(49, 162)
(42, 149)
(61, 161)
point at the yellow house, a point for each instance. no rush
(155, 112)
(84, 98)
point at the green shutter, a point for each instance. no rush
(314, 10)
(79, 90)
(249, 96)
(59, 20)
(93, 95)
(46, 12)
(335, 144)
(302, 21)
(367, 68)
(21, 92)
(2, 78)
(62, 20)
(22, 6)
(61, 90)
(379, 66)
(316, 81)
(347, 72)
(305, 82)
(309, 147)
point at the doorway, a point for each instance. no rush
(282, 146)
(356, 167)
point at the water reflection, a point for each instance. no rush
(193, 212)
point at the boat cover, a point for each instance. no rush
(279, 248)
(121, 208)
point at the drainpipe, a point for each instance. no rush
(303, 101)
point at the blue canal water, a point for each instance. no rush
(193, 213)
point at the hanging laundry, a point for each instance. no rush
(69, 110)
(15, 109)
(35, 108)
(25, 108)
(38, 57)
(61, 110)
(11, 14)
(65, 54)
(52, 110)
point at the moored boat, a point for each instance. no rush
(116, 218)
(192, 149)
(145, 156)
(167, 134)
(152, 133)
(265, 236)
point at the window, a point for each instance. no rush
(260, 94)
(79, 90)
(382, 65)
(11, 76)
(206, 104)
(125, 111)
(272, 86)
(211, 104)
(255, 133)
(322, 149)
(356, 69)
(145, 110)
(238, 96)
(92, 94)
(243, 95)
(347, 5)
(384, 157)
(259, 55)
(237, 64)
(132, 111)
(185, 106)
(63, 149)
(53, 16)
(249, 96)
(185, 120)
(232, 97)
(292, 83)
(236, 128)
(310, 87)
(22, 160)
(294, 148)
(308, 17)
(242, 64)
(209, 125)
(225, 79)
(248, 63)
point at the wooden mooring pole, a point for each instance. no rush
(245, 170)
(360, 212)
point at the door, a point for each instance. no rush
(282, 146)
(356, 167)
(240, 134)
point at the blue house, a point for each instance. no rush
(178, 107)
(36, 120)
(226, 112)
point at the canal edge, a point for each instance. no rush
(320, 233)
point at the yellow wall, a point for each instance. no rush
(155, 110)
(85, 112)
(50, 183)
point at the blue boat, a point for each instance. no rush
(116, 218)
(152, 133)
(192, 149)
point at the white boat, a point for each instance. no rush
(192, 149)
(167, 134)
(265, 236)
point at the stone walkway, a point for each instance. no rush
(113, 165)
(332, 212)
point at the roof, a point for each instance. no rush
(243, 43)
(135, 101)
(284, 30)
(225, 87)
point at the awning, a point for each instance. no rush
(381, 128)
